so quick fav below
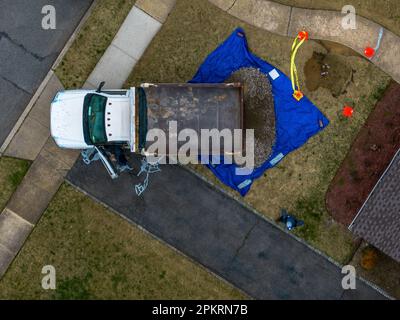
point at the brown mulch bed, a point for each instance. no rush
(370, 155)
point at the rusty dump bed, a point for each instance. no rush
(193, 106)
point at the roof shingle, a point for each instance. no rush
(378, 221)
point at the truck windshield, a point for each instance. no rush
(95, 109)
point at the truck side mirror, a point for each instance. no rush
(101, 85)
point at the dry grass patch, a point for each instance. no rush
(92, 41)
(12, 171)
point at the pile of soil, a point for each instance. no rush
(370, 155)
(259, 112)
(330, 71)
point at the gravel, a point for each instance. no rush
(259, 112)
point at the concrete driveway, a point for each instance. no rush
(27, 52)
(219, 233)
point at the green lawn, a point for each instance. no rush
(98, 255)
(92, 41)
(298, 183)
(12, 172)
(384, 12)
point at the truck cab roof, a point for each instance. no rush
(83, 118)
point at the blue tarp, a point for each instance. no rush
(295, 121)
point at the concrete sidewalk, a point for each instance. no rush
(33, 141)
(216, 231)
(321, 24)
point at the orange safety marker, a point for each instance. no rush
(348, 111)
(369, 52)
(303, 35)
(298, 95)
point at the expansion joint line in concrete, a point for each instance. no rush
(289, 22)
(232, 5)
(124, 52)
(19, 217)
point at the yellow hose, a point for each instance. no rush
(297, 94)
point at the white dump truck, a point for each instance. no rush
(97, 119)
(82, 119)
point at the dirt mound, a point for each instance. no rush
(330, 71)
(259, 112)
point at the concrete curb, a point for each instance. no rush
(24, 114)
(35, 130)
(321, 24)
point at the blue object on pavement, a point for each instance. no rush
(295, 122)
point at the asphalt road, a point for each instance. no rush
(27, 51)
(220, 233)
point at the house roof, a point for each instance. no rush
(378, 221)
